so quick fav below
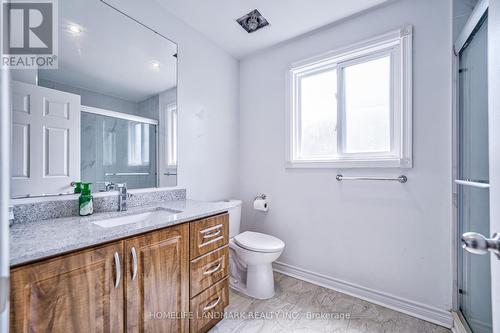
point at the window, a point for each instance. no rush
(138, 144)
(171, 135)
(352, 108)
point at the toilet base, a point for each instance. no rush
(260, 282)
(251, 272)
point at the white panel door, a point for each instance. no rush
(45, 140)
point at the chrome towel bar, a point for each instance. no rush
(402, 179)
(126, 174)
(471, 183)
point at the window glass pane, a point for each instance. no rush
(318, 115)
(145, 144)
(138, 144)
(368, 106)
(171, 136)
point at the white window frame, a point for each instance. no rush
(398, 44)
(171, 137)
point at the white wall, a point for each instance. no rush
(207, 103)
(386, 236)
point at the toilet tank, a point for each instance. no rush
(234, 218)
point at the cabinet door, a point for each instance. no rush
(157, 281)
(72, 293)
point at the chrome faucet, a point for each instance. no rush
(109, 186)
(122, 196)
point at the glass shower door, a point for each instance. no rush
(118, 150)
(474, 275)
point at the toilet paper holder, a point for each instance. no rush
(262, 196)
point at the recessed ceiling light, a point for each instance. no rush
(75, 29)
(155, 64)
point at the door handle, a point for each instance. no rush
(118, 270)
(478, 244)
(134, 263)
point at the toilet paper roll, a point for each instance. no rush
(261, 205)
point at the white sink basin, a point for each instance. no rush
(154, 215)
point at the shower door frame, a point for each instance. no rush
(139, 119)
(460, 324)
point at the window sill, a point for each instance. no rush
(350, 164)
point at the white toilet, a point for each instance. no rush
(251, 257)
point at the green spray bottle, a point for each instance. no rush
(86, 201)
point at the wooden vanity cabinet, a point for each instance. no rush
(77, 292)
(147, 283)
(209, 287)
(157, 281)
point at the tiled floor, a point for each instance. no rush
(297, 306)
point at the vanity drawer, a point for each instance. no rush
(208, 269)
(209, 234)
(208, 307)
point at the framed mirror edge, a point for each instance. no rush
(75, 196)
(70, 195)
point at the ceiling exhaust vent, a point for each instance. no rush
(252, 21)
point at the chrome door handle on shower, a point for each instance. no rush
(478, 244)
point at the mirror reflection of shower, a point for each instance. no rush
(124, 94)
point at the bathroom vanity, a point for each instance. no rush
(108, 115)
(156, 275)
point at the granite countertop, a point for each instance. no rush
(37, 240)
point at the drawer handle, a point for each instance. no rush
(134, 263)
(213, 269)
(211, 234)
(210, 231)
(118, 270)
(212, 304)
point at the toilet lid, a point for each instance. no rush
(258, 242)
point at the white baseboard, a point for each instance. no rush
(458, 326)
(415, 309)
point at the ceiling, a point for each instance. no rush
(122, 68)
(287, 19)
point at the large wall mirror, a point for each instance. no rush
(107, 115)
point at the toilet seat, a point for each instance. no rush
(257, 242)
